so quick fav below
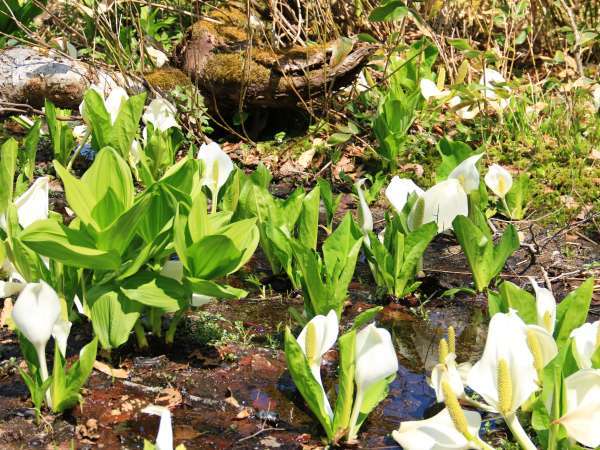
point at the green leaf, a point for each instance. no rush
(452, 153)
(69, 246)
(305, 382)
(113, 315)
(308, 222)
(8, 164)
(212, 289)
(79, 196)
(478, 250)
(345, 398)
(98, 118)
(496, 303)
(30, 146)
(151, 289)
(213, 257)
(63, 142)
(110, 172)
(508, 244)
(572, 312)
(127, 124)
(519, 299)
(389, 11)
(365, 317)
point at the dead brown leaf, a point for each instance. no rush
(243, 414)
(110, 371)
(6, 312)
(169, 397)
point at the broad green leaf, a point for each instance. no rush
(452, 153)
(126, 125)
(388, 11)
(79, 196)
(154, 290)
(508, 244)
(63, 142)
(572, 312)
(113, 315)
(477, 248)
(69, 246)
(118, 236)
(308, 222)
(212, 289)
(345, 398)
(110, 172)
(98, 118)
(519, 299)
(213, 257)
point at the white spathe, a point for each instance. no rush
(399, 190)
(506, 340)
(316, 342)
(437, 433)
(173, 269)
(582, 417)
(32, 205)
(158, 58)
(440, 204)
(467, 173)
(375, 356)
(375, 360)
(164, 438)
(430, 90)
(114, 101)
(586, 340)
(161, 114)
(490, 78)
(447, 371)
(36, 312)
(464, 113)
(545, 305)
(365, 217)
(217, 166)
(499, 180)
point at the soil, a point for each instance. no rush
(225, 379)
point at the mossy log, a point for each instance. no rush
(232, 64)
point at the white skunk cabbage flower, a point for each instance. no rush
(317, 338)
(37, 314)
(499, 180)
(586, 340)
(32, 205)
(507, 374)
(114, 101)
(464, 113)
(430, 90)
(440, 432)
(447, 371)
(489, 79)
(174, 269)
(158, 58)
(161, 114)
(164, 438)
(399, 190)
(467, 173)
(375, 360)
(217, 168)
(545, 305)
(365, 217)
(440, 204)
(583, 407)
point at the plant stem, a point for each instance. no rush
(41, 354)
(518, 432)
(87, 135)
(508, 211)
(353, 430)
(140, 335)
(170, 334)
(215, 198)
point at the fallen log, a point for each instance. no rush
(28, 75)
